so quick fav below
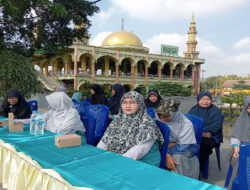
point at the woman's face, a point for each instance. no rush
(12, 100)
(92, 91)
(153, 98)
(205, 102)
(113, 92)
(129, 106)
(248, 108)
(164, 118)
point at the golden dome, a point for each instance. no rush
(122, 38)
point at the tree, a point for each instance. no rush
(171, 89)
(50, 21)
(16, 72)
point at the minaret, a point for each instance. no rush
(122, 28)
(85, 39)
(191, 43)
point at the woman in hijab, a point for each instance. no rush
(62, 117)
(97, 95)
(114, 101)
(132, 133)
(182, 147)
(212, 125)
(16, 104)
(60, 89)
(153, 99)
(240, 134)
(77, 96)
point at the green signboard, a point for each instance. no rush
(169, 50)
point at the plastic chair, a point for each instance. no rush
(151, 112)
(97, 123)
(164, 149)
(33, 105)
(229, 175)
(198, 127)
(217, 151)
(242, 182)
(82, 108)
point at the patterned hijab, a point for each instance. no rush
(126, 131)
(241, 128)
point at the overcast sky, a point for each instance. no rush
(223, 28)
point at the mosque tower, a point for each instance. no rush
(191, 43)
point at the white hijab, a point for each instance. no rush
(62, 117)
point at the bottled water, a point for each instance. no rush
(33, 122)
(39, 129)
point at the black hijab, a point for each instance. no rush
(99, 97)
(212, 119)
(21, 109)
(115, 101)
(150, 104)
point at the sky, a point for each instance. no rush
(223, 28)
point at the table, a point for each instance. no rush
(34, 162)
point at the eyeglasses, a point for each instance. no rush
(130, 103)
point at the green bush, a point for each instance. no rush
(171, 89)
(231, 114)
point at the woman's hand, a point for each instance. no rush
(206, 134)
(2, 123)
(171, 162)
(236, 152)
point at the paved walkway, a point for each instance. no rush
(214, 175)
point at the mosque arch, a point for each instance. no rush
(125, 67)
(177, 70)
(140, 68)
(153, 69)
(188, 71)
(85, 63)
(166, 70)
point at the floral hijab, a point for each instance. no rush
(126, 131)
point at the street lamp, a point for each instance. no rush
(202, 75)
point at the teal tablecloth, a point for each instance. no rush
(89, 166)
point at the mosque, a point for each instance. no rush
(121, 59)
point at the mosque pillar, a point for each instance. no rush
(132, 75)
(65, 69)
(83, 64)
(75, 68)
(136, 70)
(117, 73)
(192, 77)
(53, 70)
(159, 73)
(146, 75)
(182, 76)
(197, 79)
(106, 63)
(46, 70)
(92, 72)
(56, 67)
(171, 75)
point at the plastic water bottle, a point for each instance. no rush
(39, 129)
(33, 122)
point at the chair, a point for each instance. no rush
(82, 108)
(242, 182)
(97, 123)
(217, 151)
(33, 105)
(198, 127)
(151, 112)
(164, 149)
